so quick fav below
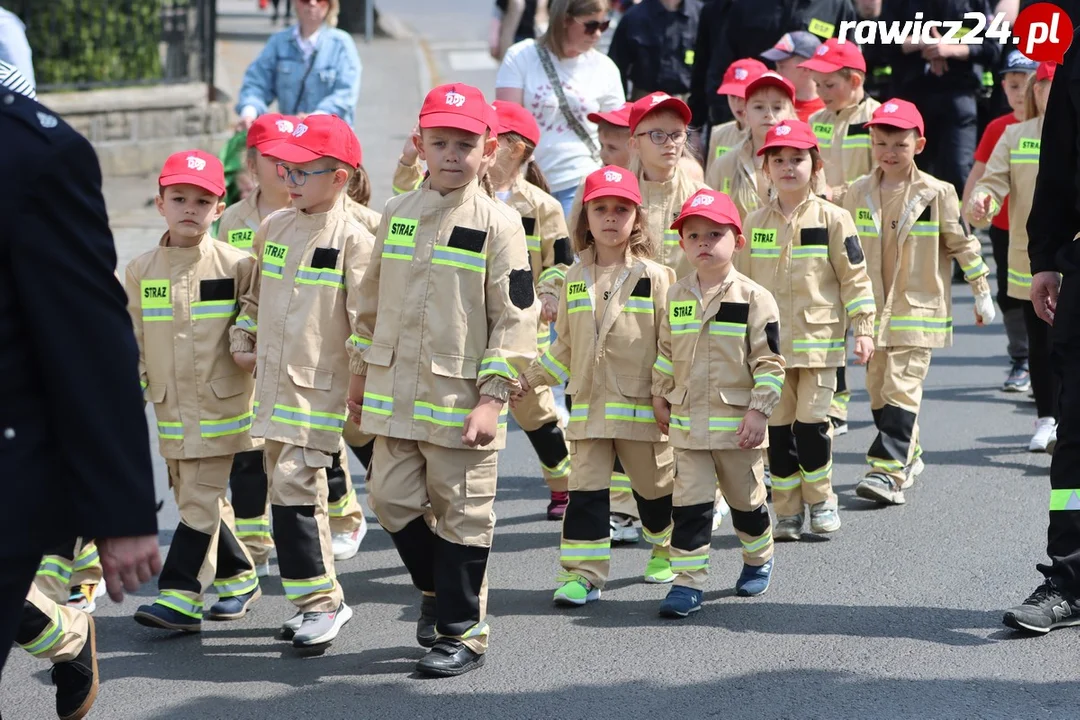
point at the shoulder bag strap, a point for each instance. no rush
(564, 107)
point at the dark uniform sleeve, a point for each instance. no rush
(621, 51)
(1054, 218)
(82, 340)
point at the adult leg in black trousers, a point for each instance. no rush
(1044, 381)
(16, 574)
(1012, 309)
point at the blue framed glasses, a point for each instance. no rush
(298, 177)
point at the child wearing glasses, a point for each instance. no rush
(312, 257)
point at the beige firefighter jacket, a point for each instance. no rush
(918, 310)
(844, 141)
(723, 139)
(447, 313)
(717, 362)
(309, 276)
(734, 175)
(814, 267)
(407, 177)
(239, 223)
(609, 371)
(1011, 172)
(364, 215)
(183, 301)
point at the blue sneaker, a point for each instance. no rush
(753, 580)
(680, 602)
(165, 618)
(233, 608)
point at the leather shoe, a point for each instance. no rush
(449, 658)
(76, 680)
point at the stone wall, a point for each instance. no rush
(135, 129)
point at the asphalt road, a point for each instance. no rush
(896, 616)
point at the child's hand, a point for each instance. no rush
(408, 152)
(518, 393)
(662, 412)
(978, 207)
(864, 349)
(482, 423)
(245, 361)
(984, 310)
(751, 430)
(549, 308)
(355, 403)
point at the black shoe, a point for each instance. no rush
(449, 658)
(1045, 609)
(76, 680)
(425, 625)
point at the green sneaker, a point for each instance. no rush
(658, 571)
(576, 592)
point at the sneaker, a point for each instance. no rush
(165, 618)
(623, 530)
(318, 628)
(881, 489)
(346, 545)
(680, 602)
(292, 625)
(839, 427)
(913, 470)
(233, 608)
(262, 569)
(1019, 379)
(720, 511)
(788, 527)
(1045, 430)
(753, 580)
(556, 509)
(658, 570)
(576, 591)
(824, 517)
(1045, 609)
(76, 680)
(84, 597)
(449, 658)
(1051, 445)
(425, 624)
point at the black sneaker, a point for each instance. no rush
(76, 680)
(449, 658)
(425, 625)
(1045, 609)
(839, 427)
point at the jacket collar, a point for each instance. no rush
(433, 198)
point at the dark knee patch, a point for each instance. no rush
(296, 533)
(185, 558)
(655, 514)
(549, 443)
(415, 544)
(459, 574)
(783, 458)
(588, 515)
(693, 526)
(814, 445)
(753, 522)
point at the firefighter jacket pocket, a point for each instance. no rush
(454, 366)
(230, 386)
(922, 300)
(155, 392)
(379, 355)
(632, 386)
(826, 315)
(309, 377)
(317, 458)
(677, 396)
(735, 397)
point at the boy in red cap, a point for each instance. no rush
(613, 130)
(726, 136)
(718, 324)
(313, 255)
(184, 297)
(806, 252)
(445, 321)
(909, 224)
(605, 345)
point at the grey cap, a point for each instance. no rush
(1017, 61)
(800, 42)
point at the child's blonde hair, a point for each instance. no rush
(1031, 108)
(359, 188)
(639, 244)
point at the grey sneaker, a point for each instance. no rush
(290, 626)
(824, 517)
(318, 628)
(788, 528)
(913, 470)
(881, 489)
(1019, 379)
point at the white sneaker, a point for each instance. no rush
(1045, 433)
(346, 545)
(263, 569)
(623, 530)
(721, 511)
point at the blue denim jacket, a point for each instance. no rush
(332, 86)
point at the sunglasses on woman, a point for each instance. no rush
(593, 27)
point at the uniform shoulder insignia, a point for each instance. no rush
(47, 121)
(521, 288)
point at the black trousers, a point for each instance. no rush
(1063, 534)
(952, 132)
(16, 574)
(1044, 382)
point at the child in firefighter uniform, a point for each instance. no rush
(717, 378)
(729, 135)
(71, 574)
(909, 225)
(806, 252)
(605, 347)
(183, 297)
(250, 497)
(446, 320)
(839, 70)
(313, 256)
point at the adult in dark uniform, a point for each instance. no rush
(74, 447)
(1052, 228)
(653, 47)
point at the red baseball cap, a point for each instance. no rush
(516, 119)
(770, 78)
(707, 203)
(194, 167)
(657, 101)
(740, 74)
(789, 133)
(320, 136)
(612, 181)
(270, 129)
(834, 55)
(1045, 71)
(899, 114)
(458, 106)
(619, 116)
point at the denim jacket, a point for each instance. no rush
(332, 86)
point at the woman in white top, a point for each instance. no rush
(590, 82)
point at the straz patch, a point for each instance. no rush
(576, 291)
(242, 238)
(155, 293)
(1029, 144)
(823, 131)
(402, 231)
(763, 237)
(275, 254)
(864, 215)
(681, 311)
